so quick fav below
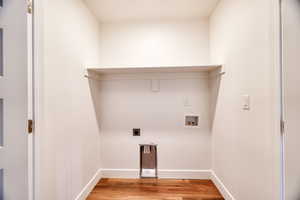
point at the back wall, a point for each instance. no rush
(125, 104)
(155, 43)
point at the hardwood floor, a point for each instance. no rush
(154, 189)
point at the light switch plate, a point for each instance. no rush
(186, 102)
(246, 102)
(155, 85)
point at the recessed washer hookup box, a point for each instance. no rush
(148, 161)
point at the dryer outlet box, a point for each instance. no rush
(136, 132)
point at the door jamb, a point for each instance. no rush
(282, 107)
(38, 31)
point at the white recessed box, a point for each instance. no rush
(191, 120)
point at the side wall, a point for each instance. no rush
(246, 143)
(69, 137)
(155, 43)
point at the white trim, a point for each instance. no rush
(221, 187)
(185, 174)
(147, 76)
(30, 106)
(157, 69)
(279, 87)
(165, 173)
(38, 114)
(89, 187)
(120, 173)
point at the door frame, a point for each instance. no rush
(38, 36)
(278, 100)
(30, 104)
(38, 69)
(281, 90)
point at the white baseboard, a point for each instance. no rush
(90, 186)
(174, 174)
(120, 173)
(185, 174)
(221, 187)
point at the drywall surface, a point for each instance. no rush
(291, 24)
(124, 10)
(69, 153)
(155, 43)
(244, 141)
(126, 104)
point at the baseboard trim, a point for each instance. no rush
(221, 187)
(185, 174)
(120, 173)
(165, 173)
(89, 186)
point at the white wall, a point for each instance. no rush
(245, 143)
(155, 43)
(69, 148)
(127, 104)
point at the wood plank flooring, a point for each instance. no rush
(154, 189)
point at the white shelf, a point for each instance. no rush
(162, 69)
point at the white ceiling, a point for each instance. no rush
(120, 10)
